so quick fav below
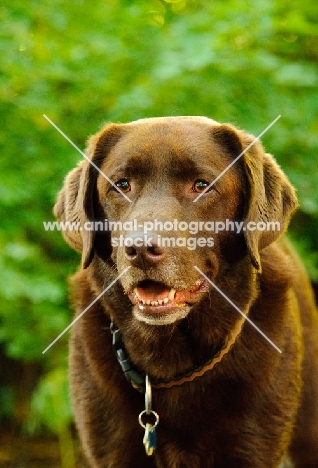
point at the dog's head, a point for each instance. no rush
(150, 180)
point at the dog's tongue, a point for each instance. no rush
(154, 292)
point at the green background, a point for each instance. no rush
(84, 63)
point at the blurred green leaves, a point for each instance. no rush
(51, 403)
(87, 62)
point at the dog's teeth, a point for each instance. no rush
(171, 294)
(170, 297)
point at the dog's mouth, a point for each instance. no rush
(158, 303)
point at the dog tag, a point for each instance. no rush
(150, 439)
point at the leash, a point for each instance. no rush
(142, 382)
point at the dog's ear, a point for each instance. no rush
(75, 202)
(272, 198)
(269, 197)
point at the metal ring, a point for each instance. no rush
(148, 396)
(151, 412)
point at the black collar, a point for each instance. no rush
(137, 380)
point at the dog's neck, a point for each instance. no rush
(137, 379)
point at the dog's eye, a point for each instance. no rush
(200, 185)
(123, 185)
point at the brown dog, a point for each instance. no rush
(230, 391)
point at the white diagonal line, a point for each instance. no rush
(86, 157)
(85, 310)
(237, 158)
(236, 308)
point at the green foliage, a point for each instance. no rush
(86, 62)
(51, 407)
(50, 402)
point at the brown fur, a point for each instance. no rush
(257, 406)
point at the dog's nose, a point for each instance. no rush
(141, 248)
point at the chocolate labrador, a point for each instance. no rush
(199, 342)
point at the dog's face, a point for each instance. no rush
(159, 227)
